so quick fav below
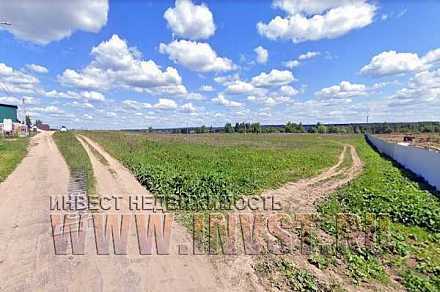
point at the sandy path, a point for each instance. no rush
(167, 273)
(28, 262)
(302, 196)
(27, 257)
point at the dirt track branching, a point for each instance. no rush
(412, 252)
(217, 166)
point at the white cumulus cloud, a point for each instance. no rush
(188, 108)
(13, 81)
(194, 96)
(422, 89)
(190, 21)
(38, 22)
(206, 88)
(287, 90)
(392, 62)
(308, 55)
(222, 100)
(292, 64)
(273, 78)
(87, 95)
(115, 65)
(196, 56)
(262, 54)
(135, 105)
(37, 68)
(315, 20)
(9, 100)
(165, 104)
(345, 89)
(239, 87)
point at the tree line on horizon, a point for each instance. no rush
(319, 128)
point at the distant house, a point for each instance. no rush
(44, 127)
(8, 112)
(9, 124)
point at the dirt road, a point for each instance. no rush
(302, 196)
(26, 245)
(27, 257)
(165, 273)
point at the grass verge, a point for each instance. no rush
(76, 157)
(411, 251)
(12, 152)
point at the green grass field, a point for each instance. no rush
(412, 250)
(76, 157)
(194, 168)
(12, 152)
(198, 166)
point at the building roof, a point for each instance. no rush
(8, 105)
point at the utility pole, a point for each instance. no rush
(23, 105)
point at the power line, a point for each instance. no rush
(5, 89)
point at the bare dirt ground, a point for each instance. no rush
(426, 141)
(166, 273)
(27, 258)
(302, 197)
(28, 262)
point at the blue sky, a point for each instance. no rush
(134, 64)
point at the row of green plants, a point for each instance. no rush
(76, 158)
(412, 248)
(215, 168)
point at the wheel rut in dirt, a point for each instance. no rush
(302, 196)
(165, 273)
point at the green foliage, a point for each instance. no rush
(76, 157)
(321, 261)
(202, 129)
(28, 121)
(287, 277)
(217, 167)
(386, 189)
(229, 128)
(415, 282)
(321, 129)
(294, 128)
(411, 246)
(12, 152)
(243, 128)
(363, 266)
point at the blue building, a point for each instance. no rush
(8, 112)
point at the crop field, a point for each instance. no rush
(412, 252)
(408, 258)
(76, 157)
(215, 166)
(12, 152)
(199, 166)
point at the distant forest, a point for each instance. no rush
(374, 128)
